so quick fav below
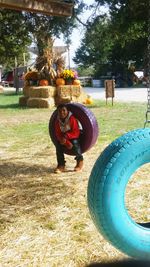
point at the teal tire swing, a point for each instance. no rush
(106, 193)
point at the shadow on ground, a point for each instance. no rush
(29, 188)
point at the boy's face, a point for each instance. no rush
(63, 112)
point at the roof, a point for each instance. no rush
(49, 7)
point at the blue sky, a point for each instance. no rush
(76, 35)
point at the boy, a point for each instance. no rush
(67, 134)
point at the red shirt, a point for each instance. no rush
(69, 130)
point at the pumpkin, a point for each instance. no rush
(89, 100)
(60, 81)
(76, 82)
(31, 75)
(43, 82)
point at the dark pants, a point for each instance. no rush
(60, 152)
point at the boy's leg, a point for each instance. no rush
(79, 158)
(60, 158)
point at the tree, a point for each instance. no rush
(96, 46)
(122, 36)
(44, 27)
(14, 37)
(82, 71)
(19, 28)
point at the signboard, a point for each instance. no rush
(109, 89)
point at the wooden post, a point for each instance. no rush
(68, 57)
(16, 80)
(109, 89)
(24, 59)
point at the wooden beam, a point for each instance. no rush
(49, 7)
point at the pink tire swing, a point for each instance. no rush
(88, 122)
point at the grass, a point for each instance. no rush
(9, 100)
(44, 218)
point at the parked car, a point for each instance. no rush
(14, 78)
(8, 78)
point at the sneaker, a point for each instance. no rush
(59, 169)
(79, 166)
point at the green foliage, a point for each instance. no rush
(112, 40)
(14, 37)
(43, 27)
(96, 44)
(82, 71)
(17, 30)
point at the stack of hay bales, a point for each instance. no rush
(50, 96)
(70, 93)
(38, 97)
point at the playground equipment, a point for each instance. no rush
(147, 119)
(88, 122)
(147, 115)
(107, 185)
(106, 191)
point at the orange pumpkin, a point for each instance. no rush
(60, 81)
(76, 82)
(89, 101)
(43, 82)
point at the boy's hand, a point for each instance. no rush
(63, 141)
(69, 145)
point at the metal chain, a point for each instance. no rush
(147, 115)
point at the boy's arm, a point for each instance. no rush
(58, 133)
(61, 138)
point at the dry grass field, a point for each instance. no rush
(44, 218)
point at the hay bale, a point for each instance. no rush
(76, 90)
(70, 93)
(23, 101)
(64, 91)
(26, 91)
(26, 83)
(82, 98)
(78, 99)
(41, 102)
(49, 91)
(59, 100)
(42, 91)
(35, 92)
(69, 90)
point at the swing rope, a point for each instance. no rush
(147, 115)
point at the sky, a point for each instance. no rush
(76, 37)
